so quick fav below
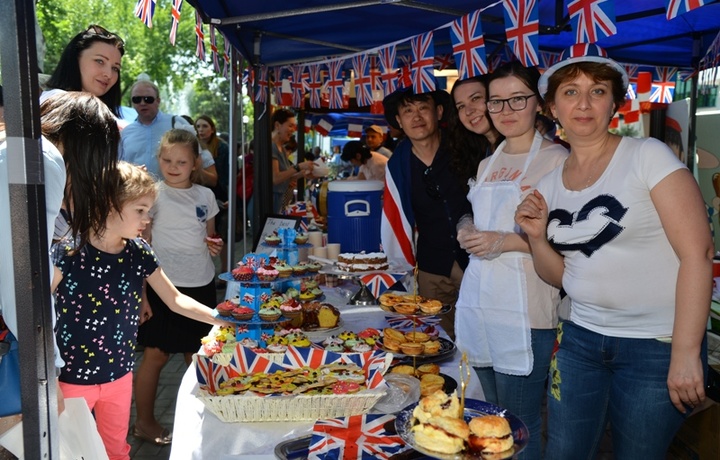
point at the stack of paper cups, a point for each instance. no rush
(315, 238)
(333, 250)
(320, 251)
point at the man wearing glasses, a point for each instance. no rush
(424, 198)
(141, 138)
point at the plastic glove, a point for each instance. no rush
(466, 231)
(494, 241)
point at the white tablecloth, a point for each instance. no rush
(199, 434)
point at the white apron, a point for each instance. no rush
(491, 322)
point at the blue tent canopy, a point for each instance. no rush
(279, 32)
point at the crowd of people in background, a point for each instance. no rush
(498, 215)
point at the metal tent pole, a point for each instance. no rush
(29, 229)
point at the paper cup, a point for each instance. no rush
(315, 238)
(320, 251)
(333, 250)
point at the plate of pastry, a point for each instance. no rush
(434, 427)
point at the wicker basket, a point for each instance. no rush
(251, 408)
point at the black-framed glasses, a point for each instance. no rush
(431, 186)
(516, 103)
(146, 99)
(95, 30)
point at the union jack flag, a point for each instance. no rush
(378, 283)
(632, 71)
(423, 51)
(199, 37)
(712, 55)
(176, 7)
(226, 58)
(261, 95)
(375, 73)
(405, 77)
(397, 321)
(363, 82)
(144, 10)
(500, 56)
(277, 84)
(443, 61)
(521, 29)
(208, 373)
(592, 19)
(308, 356)
(335, 84)
(687, 74)
(361, 437)
(246, 361)
(469, 45)
(548, 59)
(677, 7)
(631, 91)
(315, 83)
(214, 49)
(663, 85)
(388, 72)
(298, 88)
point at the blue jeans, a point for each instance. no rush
(523, 395)
(595, 379)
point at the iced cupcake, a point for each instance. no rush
(267, 273)
(270, 313)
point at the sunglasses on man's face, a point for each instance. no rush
(146, 99)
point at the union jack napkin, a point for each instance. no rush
(358, 437)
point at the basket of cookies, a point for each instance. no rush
(308, 385)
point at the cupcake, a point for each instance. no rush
(225, 308)
(300, 341)
(247, 342)
(314, 267)
(299, 269)
(277, 348)
(272, 240)
(291, 308)
(292, 293)
(307, 295)
(270, 313)
(267, 273)
(310, 284)
(242, 272)
(316, 291)
(284, 270)
(301, 238)
(332, 340)
(243, 313)
(277, 340)
(347, 335)
(334, 347)
(361, 347)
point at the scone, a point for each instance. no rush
(442, 434)
(490, 434)
(403, 369)
(437, 404)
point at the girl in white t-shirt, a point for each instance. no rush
(183, 238)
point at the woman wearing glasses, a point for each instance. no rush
(506, 315)
(91, 63)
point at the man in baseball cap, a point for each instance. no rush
(374, 137)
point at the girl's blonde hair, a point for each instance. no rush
(182, 137)
(134, 183)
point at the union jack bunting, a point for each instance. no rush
(375, 73)
(363, 82)
(315, 85)
(521, 29)
(309, 356)
(631, 91)
(469, 46)
(378, 283)
(547, 59)
(199, 37)
(246, 361)
(262, 81)
(144, 10)
(687, 74)
(500, 56)
(592, 19)
(663, 85)
(677, 7)
(443, 61)
(298, 88)
(214, 50)
(226, 57)
(361, 437)
(277, 84)
(335, 84)
(423, 50)
(405, 77)
(632, 71)
(408, 322)
(712, 55)
(388, 71)
(176, 7)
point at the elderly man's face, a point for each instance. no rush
(147, 103)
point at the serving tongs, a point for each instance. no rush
(464, 380)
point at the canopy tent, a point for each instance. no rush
(278, 32)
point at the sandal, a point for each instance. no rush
(164, 439)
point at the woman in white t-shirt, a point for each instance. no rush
(506, 315)
(623, 227)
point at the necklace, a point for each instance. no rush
(590, 177)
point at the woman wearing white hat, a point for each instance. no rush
(622, 227)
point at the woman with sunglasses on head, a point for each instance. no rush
(506, 315)
(91, 62)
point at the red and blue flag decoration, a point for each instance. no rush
(355, 128)
(209, 374)
(405, 76)
(361, 437)
(214, 49)
(443, 61)
(226, 58)
(380, 282)
(144, 10)
(397, 321)
(423, 51)
(363, 81)
(199, 37)
(677, 7)
(592, 19)
(315, 85)
(711, 59)
(388, 71)
(548, 59)
(631, 91)
(298, 87)
(262, 90)
(663, 85)
(521, 29)
(296, 357)
(246, 361)
(324, 126)
(176, 7)
(632, 71)
(277, 84)
(469, 46)
(375, 73)
(335, 84)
